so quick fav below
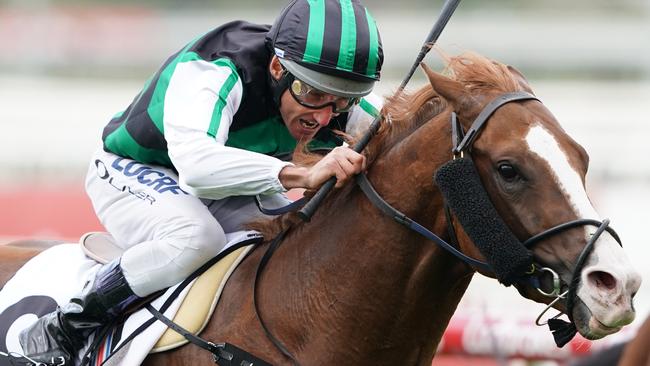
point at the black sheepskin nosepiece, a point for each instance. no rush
(461, 187)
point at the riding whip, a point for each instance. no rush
(447, 10)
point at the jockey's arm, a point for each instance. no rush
(210, 170)
(198, 116)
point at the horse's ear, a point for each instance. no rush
(523, 83)
(451, 90)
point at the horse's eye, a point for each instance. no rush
(507, 172)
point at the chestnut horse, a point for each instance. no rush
(355, 287)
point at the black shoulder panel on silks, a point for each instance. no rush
(464, 193)
(244, 44)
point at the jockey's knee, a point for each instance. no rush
(198, 243)
(184, 246)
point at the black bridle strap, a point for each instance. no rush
(385, 207)
(569, 225)
(563, 331)
(451, 230)
(582, 260)
(485, 114)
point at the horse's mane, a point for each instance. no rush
(408, 111)
(479, 74)
(405, 112)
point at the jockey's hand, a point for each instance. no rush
(342, 163)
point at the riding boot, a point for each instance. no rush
(57, 338)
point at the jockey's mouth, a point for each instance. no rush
(311, 125)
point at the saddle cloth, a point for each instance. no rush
(54, 276)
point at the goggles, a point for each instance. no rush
(310, 97)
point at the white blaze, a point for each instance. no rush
(610, 306)
(543, 144)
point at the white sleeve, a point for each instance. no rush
(363, 114)
(200, 102)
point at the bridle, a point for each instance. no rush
(462, 144)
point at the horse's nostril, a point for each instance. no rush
(602, 280)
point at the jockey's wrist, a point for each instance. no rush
(293, 177)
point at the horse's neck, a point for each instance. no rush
(408, 170)
(382, 277)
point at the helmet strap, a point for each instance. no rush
(278, 86)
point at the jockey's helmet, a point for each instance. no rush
(332, 45)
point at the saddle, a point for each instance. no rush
(202, 298)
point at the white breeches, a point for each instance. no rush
(166, 232)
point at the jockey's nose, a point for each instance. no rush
(324, 115)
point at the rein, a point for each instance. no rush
(386, 208)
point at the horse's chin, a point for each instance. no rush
(588, 325)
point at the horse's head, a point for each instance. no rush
(534, 174)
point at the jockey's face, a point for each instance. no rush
(302, 122)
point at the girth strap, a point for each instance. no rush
(224, 354)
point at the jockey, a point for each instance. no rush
(209, 130)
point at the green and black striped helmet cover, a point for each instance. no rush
(337, 38)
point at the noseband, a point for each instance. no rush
(480, 220)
